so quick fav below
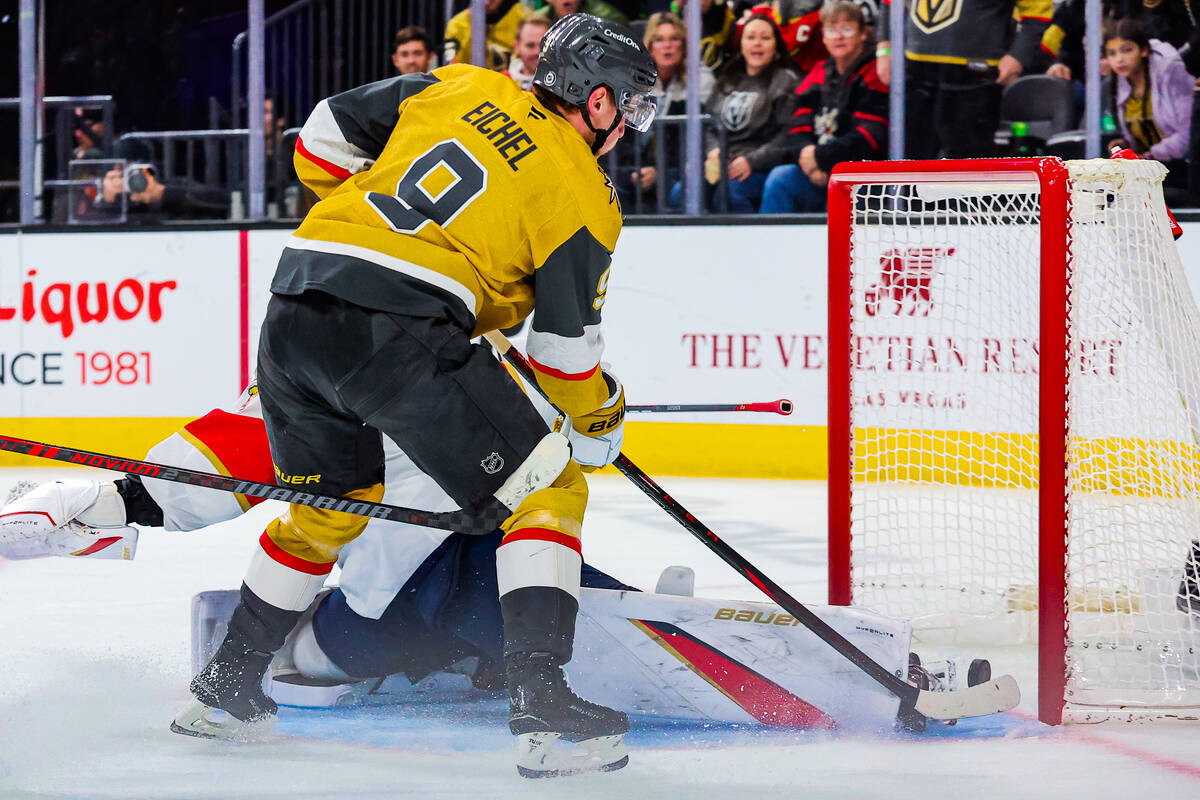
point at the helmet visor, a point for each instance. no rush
(639, 109)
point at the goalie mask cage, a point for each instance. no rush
(1014, 383)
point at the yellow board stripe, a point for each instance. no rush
(1129, 466)
(217, 464)
(119, 436)
(661, 448)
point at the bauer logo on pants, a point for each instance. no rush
(492, 464)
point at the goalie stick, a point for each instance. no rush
(478, 524)
(783, 407)
(990, 697)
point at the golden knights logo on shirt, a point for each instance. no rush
(737, 110)
(934, 15)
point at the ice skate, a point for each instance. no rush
(544, 713)
(948, 675)
(230, 702)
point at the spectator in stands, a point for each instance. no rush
(1153, 99)
(799, 22)
(412, 50)
(666, 39)
(560, 8)
(752, 101)
(841, 114)
(502, 17)
(146, 199)
(89, 135)
(527, 49)
(716, 29)
(957, 66)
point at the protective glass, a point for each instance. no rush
(639, 109)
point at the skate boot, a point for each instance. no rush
(229, 696)
(1188, 599)
(544, 712)
(230, 702)
(947, 675)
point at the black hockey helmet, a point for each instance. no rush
(581, 52)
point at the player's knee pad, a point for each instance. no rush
(558, 507)
(538, 471)
(318, 534)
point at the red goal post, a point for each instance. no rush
(971, 343)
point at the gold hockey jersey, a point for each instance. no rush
(454, 193)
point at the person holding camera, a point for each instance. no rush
(136, 189)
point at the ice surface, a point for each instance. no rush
(95, 664)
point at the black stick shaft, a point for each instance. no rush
(446, 520)
(908, 694)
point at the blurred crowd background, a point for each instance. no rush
(145, 119)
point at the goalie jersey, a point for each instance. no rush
(456, 194)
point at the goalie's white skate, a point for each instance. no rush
(948, 675)
(66, 518)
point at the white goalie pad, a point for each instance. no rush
(668, 657)
(700, 659)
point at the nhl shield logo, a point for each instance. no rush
(492, 464)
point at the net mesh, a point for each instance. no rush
(944, 408)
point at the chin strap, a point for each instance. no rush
(601, 134)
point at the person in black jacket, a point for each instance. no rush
(841, 115)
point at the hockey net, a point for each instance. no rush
(1014, 431)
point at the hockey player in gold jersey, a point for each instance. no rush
(452, 204)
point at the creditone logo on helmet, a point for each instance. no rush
(620, 37)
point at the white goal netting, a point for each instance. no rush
(945, 405)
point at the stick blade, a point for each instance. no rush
(991, 697)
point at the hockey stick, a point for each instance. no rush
(991, 697)
(478, 524)
(783, 407)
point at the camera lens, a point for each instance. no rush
(136, 180)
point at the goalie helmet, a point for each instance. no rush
(581, 52)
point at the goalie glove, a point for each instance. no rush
(596, 437)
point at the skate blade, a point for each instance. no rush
(207, 722)
(547, 755)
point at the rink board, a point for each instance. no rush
(110, 338)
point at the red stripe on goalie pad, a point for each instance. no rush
(757, 695)
(239, 443)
